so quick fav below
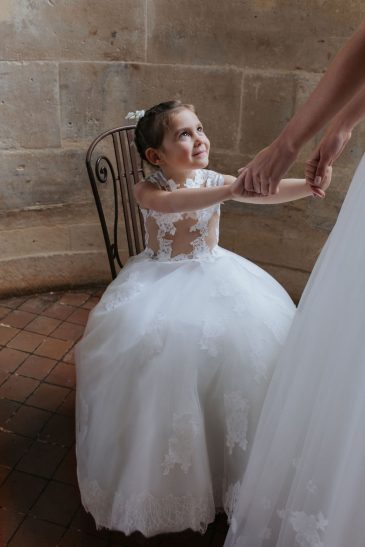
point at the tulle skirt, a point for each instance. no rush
(171, 375)
(305, 481)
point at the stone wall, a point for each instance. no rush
(72, 69)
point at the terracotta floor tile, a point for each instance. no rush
(38, 303)
(69, 331)
(66, 471)
(18, 388)
(70, 357)
(36, 366)
(20, 490)
(59, 311)
(60, 430)
(48, 397)
(26, 341)
(91, 303)
(43, 325)
(37, 533)
(13, 302)
(74, 299)
(19, 318)
(57, 503)
(41, 459)
(7, 408)
(63, 374)
(84, 522)
(99, 290)
(7, 333)
(10, 521)
(4, 311)
(10, 359)
(4, 473)
(28, 421)
(79, 316)
(75, 538)
(12, 447)
(67, 408)
(3, 376)
(53, 348)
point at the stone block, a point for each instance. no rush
(28, 274)
(268, 104)
(95, 97)
(285, 239)
(29, 107)
(33, 178)
(87, 29)
(263, 34)
(228, 162)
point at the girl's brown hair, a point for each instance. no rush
(151, 128)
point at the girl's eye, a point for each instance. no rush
(185, 134)
(200, 129)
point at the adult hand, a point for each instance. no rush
(326, 153)
(263, 174)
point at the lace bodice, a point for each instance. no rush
(178, 236)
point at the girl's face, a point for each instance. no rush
(185, 145)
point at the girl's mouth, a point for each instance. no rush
(200, 153)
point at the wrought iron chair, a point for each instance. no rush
(113, 156)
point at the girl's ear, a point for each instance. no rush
(153, 156)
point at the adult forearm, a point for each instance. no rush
(343, 79)
(351, 114)
(289, 190)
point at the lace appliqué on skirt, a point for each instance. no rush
(209, 340)
(309, 528)
(149, 514)
(128, 290)
(236, 410)
(181, 443)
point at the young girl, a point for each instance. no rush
(176, 357)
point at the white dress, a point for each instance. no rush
(171, 375)
(305, 481)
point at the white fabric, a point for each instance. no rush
(171, 374)
(305, 481)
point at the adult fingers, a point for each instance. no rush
(257, 184)
(323, 164)
(248, 182)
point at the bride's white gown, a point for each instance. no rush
(305, 480)
(171, 375)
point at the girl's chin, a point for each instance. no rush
(201, 161)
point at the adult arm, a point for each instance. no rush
(336, 138)
(343, 79)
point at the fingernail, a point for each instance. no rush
(317, 181)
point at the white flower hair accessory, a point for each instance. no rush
(137, 115)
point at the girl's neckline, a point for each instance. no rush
(189, 182)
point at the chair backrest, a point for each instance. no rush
(113, 158)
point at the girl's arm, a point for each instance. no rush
(289, 190)
(148, 196)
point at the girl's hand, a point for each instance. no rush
(326, 153)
